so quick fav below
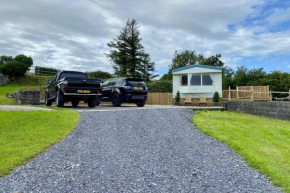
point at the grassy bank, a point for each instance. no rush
(263, 142)
(7, 89)
(25, 134)
(30, 81)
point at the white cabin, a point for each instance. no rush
(196, 80)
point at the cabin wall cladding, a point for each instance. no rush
(27, 97)
(280, 110)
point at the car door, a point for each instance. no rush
(51, 87)
(106, 89)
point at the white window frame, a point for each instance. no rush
(201, 76)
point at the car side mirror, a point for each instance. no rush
(48, 82)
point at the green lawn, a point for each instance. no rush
(25, 134)
(8, 89)
(263, 142)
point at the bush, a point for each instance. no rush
(216, 97)
(14, 69)
(24, 59)
(160, 86)
(177, 97)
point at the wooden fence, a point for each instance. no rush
(161, 98)
(252, 93)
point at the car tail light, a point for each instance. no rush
(101, 85)
(127, 87)
(65, 85)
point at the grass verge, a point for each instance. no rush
(25, 134)
(8, 89)
(263, 142)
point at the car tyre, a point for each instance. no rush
(58, 99)
(92, 102)
(75, 103)
(47, 101)
(141, 104)
(116, 101)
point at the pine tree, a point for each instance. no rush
(147, 68)
(127, 53)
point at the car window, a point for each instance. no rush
(106, 83)
(112, 82)
(72, 75)
(135, 83)
(120, 82)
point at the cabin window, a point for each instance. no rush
(195, 80)
(184, 79)
(207, 79)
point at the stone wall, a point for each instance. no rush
(280, 110)
(27, 97)
(3, 79)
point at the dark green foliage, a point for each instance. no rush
(100, 75)
(216, 97)
(159, 86)
(128, 56)
(5, 59)
(213, 61)
(14, 69)
(24, 59)
(187, 58)
(43, 71)
(177, 97)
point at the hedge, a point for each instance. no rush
(160, 86)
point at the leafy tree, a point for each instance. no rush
(24, 59)
(185, 58)
(127, 53)
(240, 77)
(14, 69)
(17, 67)
(5, 59)
(213, 61)
(278, 81)
(100, 75)
(227, 77)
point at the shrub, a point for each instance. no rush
(177, 97)
(216, 97)
(24, 59)
(160, 86)
(14, 69)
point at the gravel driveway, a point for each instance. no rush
(151, 150)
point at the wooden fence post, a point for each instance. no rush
(252, 97)
(229, 93)
(237, 92)
(271, 97)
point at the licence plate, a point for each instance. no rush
(138, 88)
(84, 91)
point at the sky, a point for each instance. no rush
(73, 34)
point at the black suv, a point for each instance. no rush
(125, 90)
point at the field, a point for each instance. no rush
(263, 142)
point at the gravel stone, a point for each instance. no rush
(151, 150)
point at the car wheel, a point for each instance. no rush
(92, 102)
(116, 102)
(75, 103)
(141, 104)
(58, 100)
(47, 101)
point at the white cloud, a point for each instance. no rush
(73, 34)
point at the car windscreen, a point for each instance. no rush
(135, 83)
(72, 75)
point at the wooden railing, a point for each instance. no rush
(252, 93)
